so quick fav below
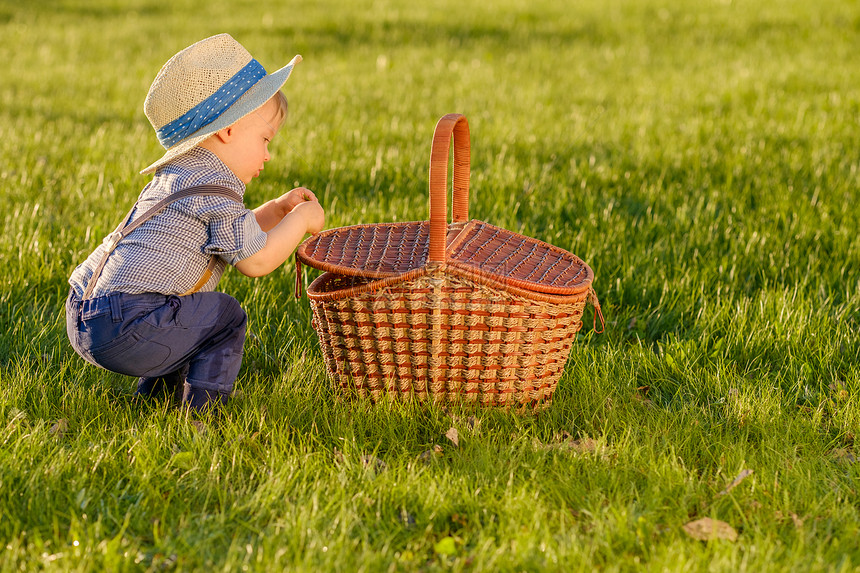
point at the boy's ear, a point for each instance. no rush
(224, 135)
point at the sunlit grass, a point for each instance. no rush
(700, 156)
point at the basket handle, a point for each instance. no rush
(453, 124)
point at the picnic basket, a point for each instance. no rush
(461, 311)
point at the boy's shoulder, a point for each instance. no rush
(197, 167)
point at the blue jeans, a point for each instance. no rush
(192, 341)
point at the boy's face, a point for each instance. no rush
(248, 150)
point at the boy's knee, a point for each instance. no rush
(235, 314)
(219, 308)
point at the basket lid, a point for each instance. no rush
(388, 249)
(375, 251)
(518, 260)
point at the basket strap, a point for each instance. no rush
(592, 298)
(298, 276)
(453, 124)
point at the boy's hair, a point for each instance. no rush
(281, 116)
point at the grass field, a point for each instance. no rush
(700, 155)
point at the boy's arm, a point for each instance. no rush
(283, 238)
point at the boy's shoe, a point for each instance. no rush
(171, 385)
(202, 401)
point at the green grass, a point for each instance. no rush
(700, 156)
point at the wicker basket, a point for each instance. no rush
(450, 312)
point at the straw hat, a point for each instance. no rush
(204, 88)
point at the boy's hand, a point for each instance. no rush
(313, 215)
(292, 199)
(273, 211)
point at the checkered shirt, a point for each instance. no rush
(169, 253)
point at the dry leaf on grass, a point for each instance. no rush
(741, 477)
(798, 521)
(60, 428)
(373, 463)
(706, 529)
(638, 397)
(583, 445)
(565, 441)
(428, 455)
(454, 436)
(844, 455)
(839, 389)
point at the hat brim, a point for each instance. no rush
(249, 102)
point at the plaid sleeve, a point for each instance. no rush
(234, 239)
(234, 233)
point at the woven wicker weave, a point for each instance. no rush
(450, 312)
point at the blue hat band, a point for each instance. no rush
(212, 107)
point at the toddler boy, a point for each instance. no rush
(143, 303)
